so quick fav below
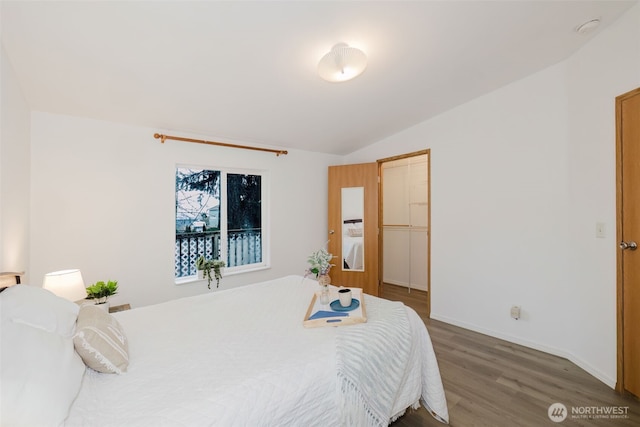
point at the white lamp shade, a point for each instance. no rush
(66, 284)
(342, 63)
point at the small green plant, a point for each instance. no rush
(101, 291)
(206, 265)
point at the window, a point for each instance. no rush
(219, 214)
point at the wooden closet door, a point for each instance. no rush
(344, 176)
(628, 234)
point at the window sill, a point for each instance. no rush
(194, 279)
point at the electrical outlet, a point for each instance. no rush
(515, 312)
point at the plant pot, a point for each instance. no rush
(104, 306)
(200, 274)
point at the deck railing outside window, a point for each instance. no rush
(244, 247)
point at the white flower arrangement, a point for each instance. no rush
(319, 263)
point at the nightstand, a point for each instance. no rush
(117, 308)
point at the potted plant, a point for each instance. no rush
(320, 264)
(100, 292)
(206, 266)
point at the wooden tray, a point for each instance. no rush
(358, 315)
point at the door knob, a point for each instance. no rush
(628, 245)
(331, 231)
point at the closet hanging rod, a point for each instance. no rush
(163, 138)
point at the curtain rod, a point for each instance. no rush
(163, 138)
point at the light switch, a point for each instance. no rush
(600, 231)
(515, 312)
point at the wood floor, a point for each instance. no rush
(494, 383)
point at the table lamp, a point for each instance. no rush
(66, 284)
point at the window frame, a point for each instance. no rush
(224, 243)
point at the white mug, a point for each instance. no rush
(345, 297)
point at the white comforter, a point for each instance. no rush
(238, 357)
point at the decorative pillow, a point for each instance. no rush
(40, 373)
(355, 232)
(100, 341)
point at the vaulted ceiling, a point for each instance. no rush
(246, 71)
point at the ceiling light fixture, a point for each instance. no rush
(342, 63)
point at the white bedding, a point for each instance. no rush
(238, 357)
(353, 249)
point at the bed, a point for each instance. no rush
(233, 357)
(353, 244)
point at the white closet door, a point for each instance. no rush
(396, 196)
(419, 248)
(405, 216)
(397, 263)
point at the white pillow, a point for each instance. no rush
(39, 308)
(40, 372)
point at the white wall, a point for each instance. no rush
(519, 178)
(607, 67)
(14, 172)
(104, 200)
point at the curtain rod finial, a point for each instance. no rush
(160, 136)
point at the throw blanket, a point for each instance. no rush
(364, 351)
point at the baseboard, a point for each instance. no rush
(611, 382)
(405, 285)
